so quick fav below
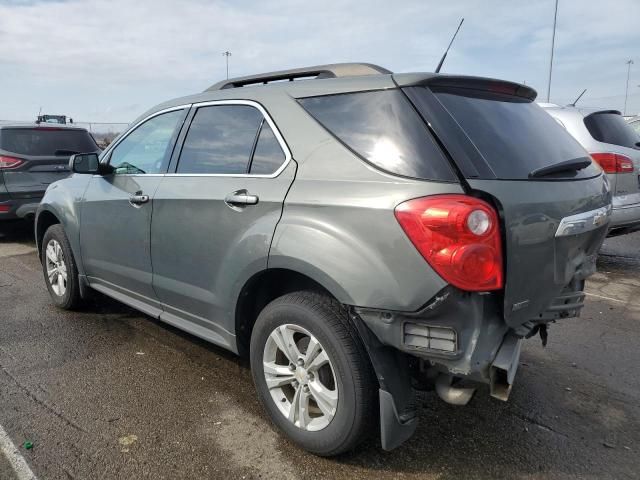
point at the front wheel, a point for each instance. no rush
(312, 373)
(59, 268)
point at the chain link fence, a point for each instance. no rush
(103, 132)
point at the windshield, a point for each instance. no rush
(610, 127)
(513, 136)
(46, 141)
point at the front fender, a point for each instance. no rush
(63, 200)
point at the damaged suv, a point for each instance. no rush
(354, 232)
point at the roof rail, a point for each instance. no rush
(333, 70)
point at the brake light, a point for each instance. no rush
(613, 162)
(9, 162)
(458, 236)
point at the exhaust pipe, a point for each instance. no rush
(451, 394)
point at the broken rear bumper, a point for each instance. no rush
(458, 333)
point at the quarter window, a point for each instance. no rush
(268, 155)
(383, 128)
(147, 149)
(220, 140)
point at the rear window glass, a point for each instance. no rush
(611, 128)
(383, 128)
(513, 135)
(46, 141)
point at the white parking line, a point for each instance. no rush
(17, 461)
(606, 298)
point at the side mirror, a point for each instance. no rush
(84, 163)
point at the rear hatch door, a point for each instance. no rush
(507, 149)
(44, 153)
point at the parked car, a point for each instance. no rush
(32, 157)
(635, 124)
(351, 230)
(616, 147)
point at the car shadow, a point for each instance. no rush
(17, 231)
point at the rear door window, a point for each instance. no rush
(610, 127)
(220, 140)
(512, 135)
(382, 128)
(46, 141)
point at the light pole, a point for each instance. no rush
(626, 92)
(227, 54)
(553, 43)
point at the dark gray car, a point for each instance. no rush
(354, 232)
(32, 157)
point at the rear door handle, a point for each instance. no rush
(241, 199)
(138, 199)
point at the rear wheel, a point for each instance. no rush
(59, 268)
(312, 373)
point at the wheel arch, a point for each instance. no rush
(265, 286)
(44, 219)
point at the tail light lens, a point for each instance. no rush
(9, 162)
(613, 162)
(458, 236)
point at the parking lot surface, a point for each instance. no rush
(107, 392)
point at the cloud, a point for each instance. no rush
(95, 59)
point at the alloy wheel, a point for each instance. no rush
(56, 267)
(300, 377)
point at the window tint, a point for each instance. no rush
(513, 135)
(384, 129)
(46, 141)
(610, 127)
(147, 149)
(220, 140)
(268, 155)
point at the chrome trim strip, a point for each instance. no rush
(584, 222)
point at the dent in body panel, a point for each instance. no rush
(538, 266)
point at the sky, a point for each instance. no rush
(110, 60)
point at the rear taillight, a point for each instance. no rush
(613, 162)
(9, 162)
(458, 236)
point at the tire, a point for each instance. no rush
(340, 377)
(57, 254)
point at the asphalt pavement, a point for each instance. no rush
(108, 392)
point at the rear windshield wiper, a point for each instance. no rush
(65, 152)
(567, 165)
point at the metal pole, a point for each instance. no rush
(626, 92)
(227, 54)
(553, 43)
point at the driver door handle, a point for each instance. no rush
(138, 199)
(241, 199)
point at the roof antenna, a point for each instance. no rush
(576, 100)
(447, 50)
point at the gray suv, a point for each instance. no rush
(355, 233)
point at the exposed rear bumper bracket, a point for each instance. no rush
(504, 367)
